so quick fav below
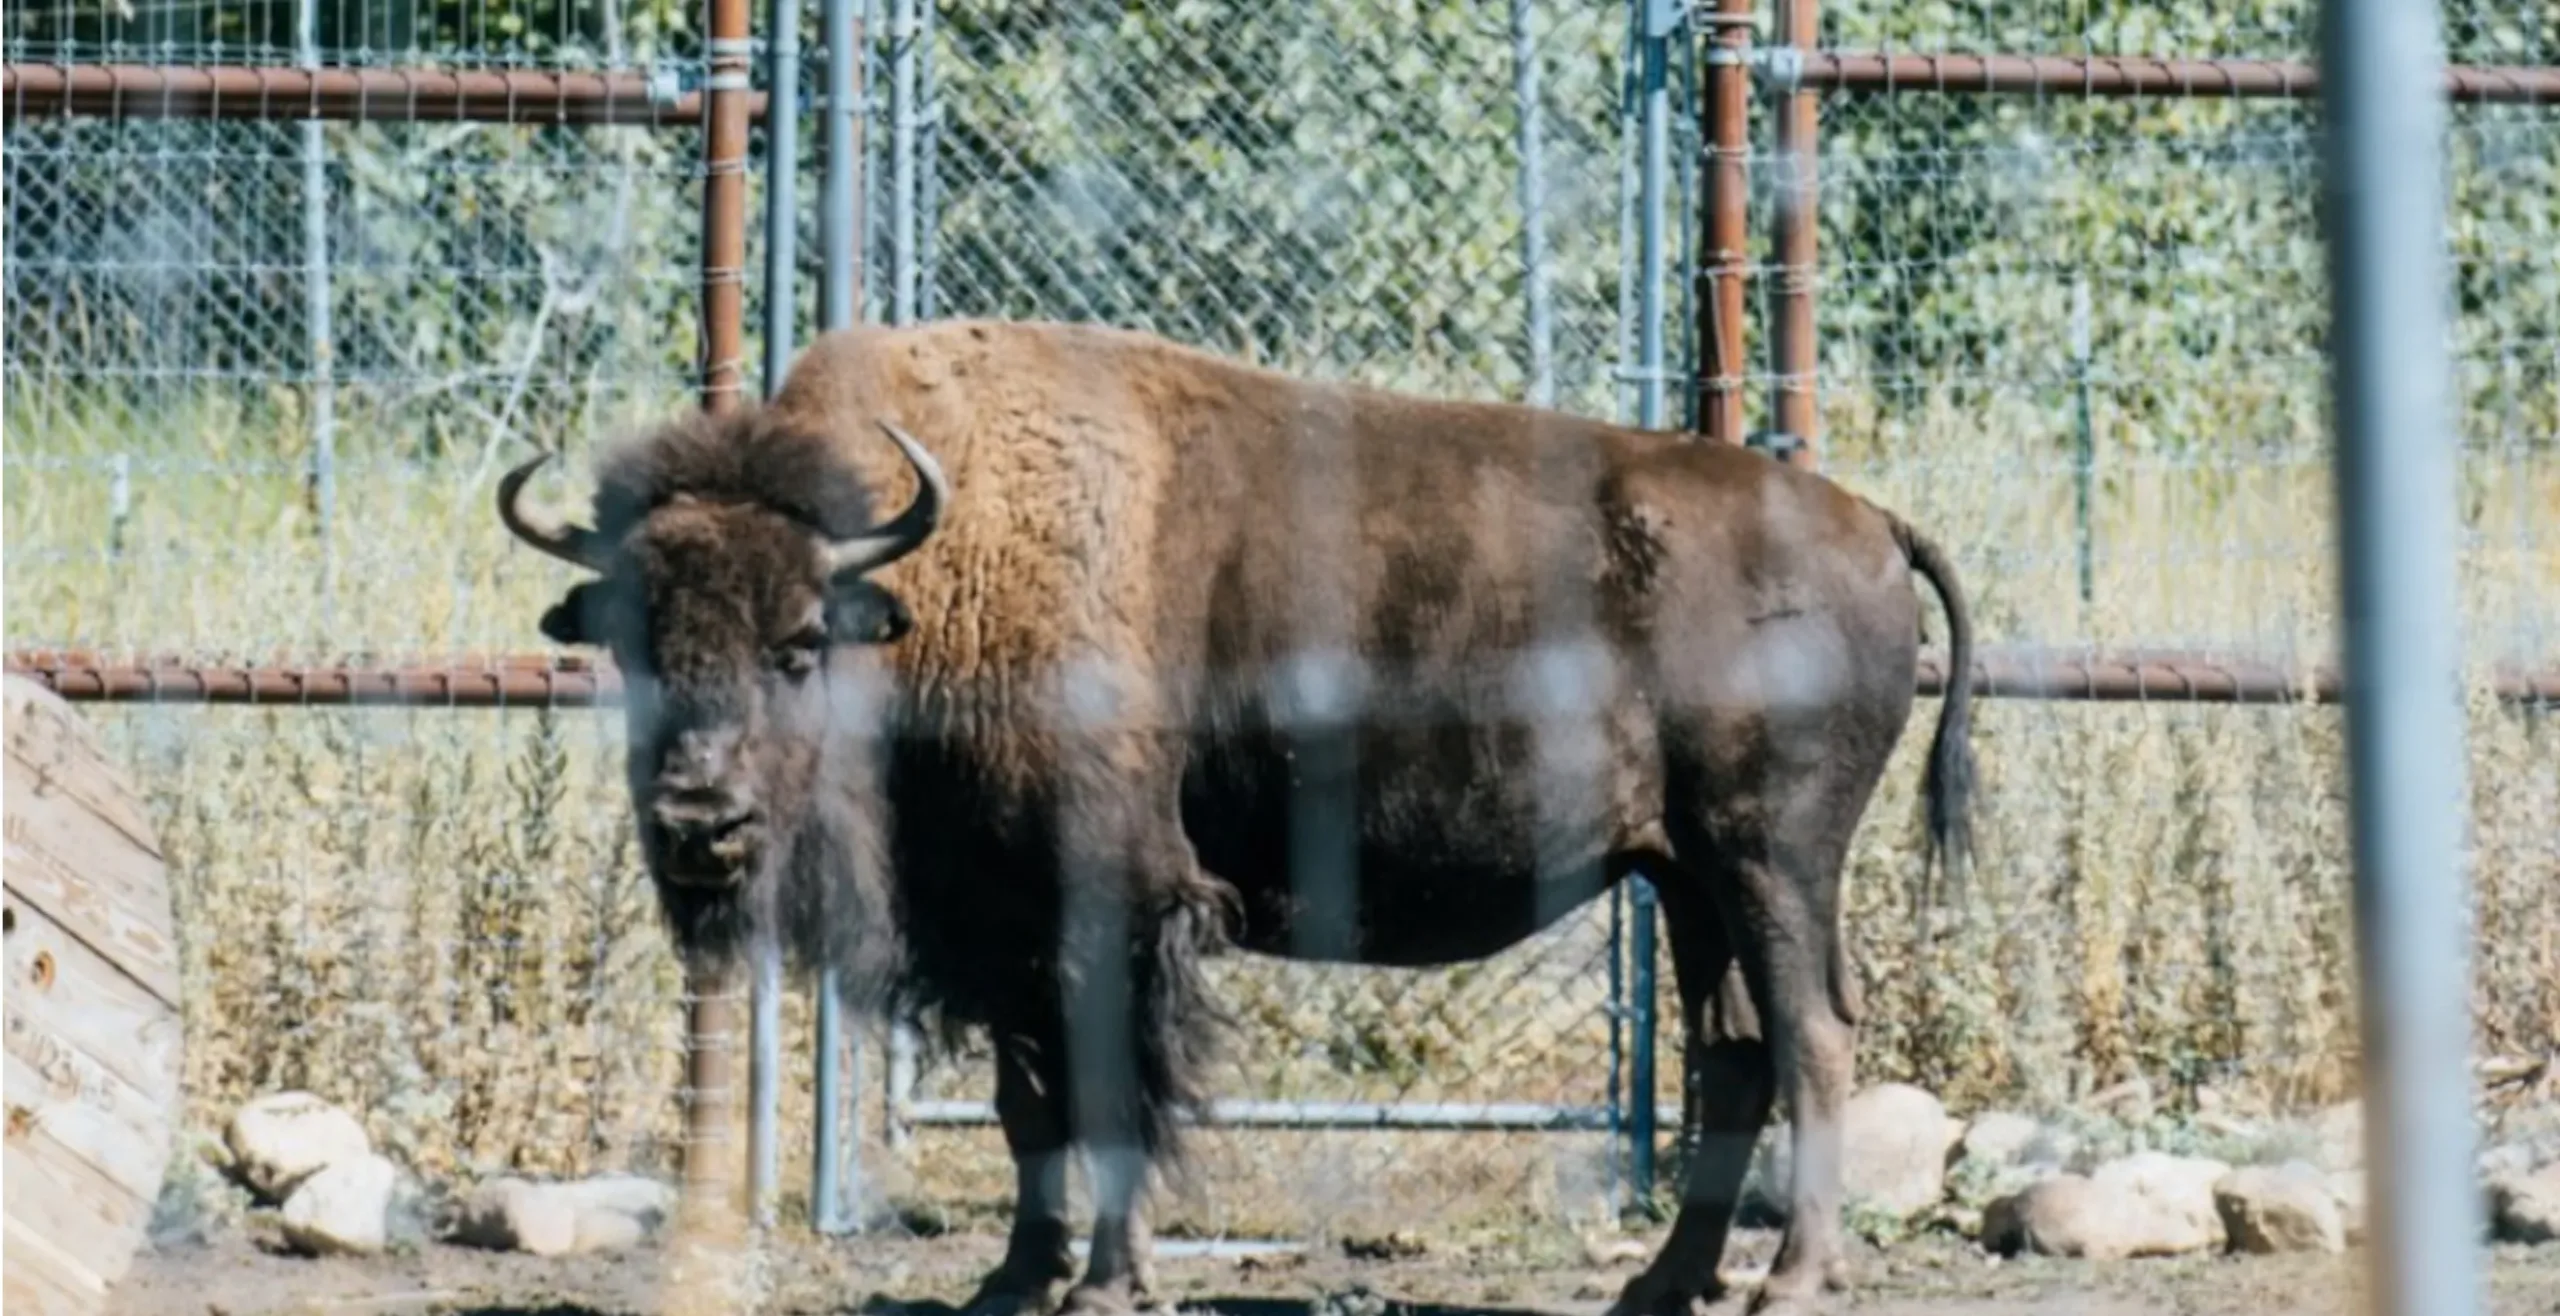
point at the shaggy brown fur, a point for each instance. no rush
(1202, 655)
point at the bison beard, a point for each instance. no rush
(1087, 777)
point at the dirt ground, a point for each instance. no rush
(918, 1277)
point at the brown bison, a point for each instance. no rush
(1190, 655)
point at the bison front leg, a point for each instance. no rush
(1031, 1104)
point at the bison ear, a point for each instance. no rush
(571, 621)
(864, 613)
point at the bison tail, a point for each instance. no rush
(1180, 1022)
(1948, 783)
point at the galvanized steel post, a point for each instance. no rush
(835, 1204)
(1660, 21)
(2390, 381)
(318, 333)
(905, 38)
(1533, 204)
(781, 250)
(1793, 413)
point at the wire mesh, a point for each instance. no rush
(438, 916)
(1332, 191)
(2083, 340)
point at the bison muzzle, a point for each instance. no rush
(1186, 655)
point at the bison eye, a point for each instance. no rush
(798, 656)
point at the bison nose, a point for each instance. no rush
(693, 815)
(709, 837)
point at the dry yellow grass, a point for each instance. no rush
(436, 917)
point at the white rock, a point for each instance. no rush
(2525, 1208)
(641, 1198)
(2340, 1129)
(1893, 1153)
(557, 1219)
(281, 1139)
(343, 1209)
(2280, 1209)
(2346, 1188)
(2059, 1217)
(1893, 1148)
(515, 1215)
(2150, 1204)
(1999, 1139)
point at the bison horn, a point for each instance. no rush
(570, 543)
(879, 548)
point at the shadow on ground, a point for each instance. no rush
(1379, 1304)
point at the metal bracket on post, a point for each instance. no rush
(1776, 70)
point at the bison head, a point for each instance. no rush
(721, 609)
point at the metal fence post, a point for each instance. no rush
(1533, 205)
(781, 251)
(835, 1204)
(1727, 229)
(1660, 20)
(317, 329)
(905, 37)
(2390, 381)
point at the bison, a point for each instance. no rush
(1185, 655)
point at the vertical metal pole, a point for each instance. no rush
(764, 1080)
(2390, 384)
(1727, 222)
(1533, 204)
(905, 37)
(322, 481)
(2084, 471)
(1792, 404)
(1661, 19)
(833, 1202)
(781, 188)
(724, 204)
(781, 252)
(711, 1023)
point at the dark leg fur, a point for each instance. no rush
(1730, 1086)
(1031, 1102)
(1137, 916)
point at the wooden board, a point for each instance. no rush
(93, 1032)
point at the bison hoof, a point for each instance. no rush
(1650, 1295)
(1799, 1299)
(1100, 1300)
(1002, 1295)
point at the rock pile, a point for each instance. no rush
(331, 1193)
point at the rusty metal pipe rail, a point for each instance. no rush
(502, 680)
(2087, 75)
(381, 95)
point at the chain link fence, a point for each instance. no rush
(2082, 338)
(263, 375)
(2076, 339)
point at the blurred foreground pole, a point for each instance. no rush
(781, 259)
(1533, 204)
(2385, 197)
(906, 32)
(833, 1203)
(322, 480)
(1661, 22)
